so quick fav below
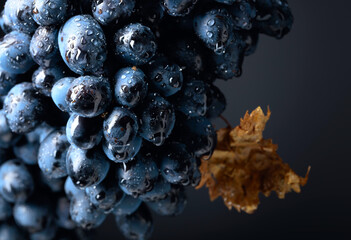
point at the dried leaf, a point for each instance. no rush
(244, 164)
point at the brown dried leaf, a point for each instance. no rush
(251, 127)
(244, 164)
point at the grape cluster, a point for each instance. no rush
(107, 106)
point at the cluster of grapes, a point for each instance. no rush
(118, 114)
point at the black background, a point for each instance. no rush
(305, 79)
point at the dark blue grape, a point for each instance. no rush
(82, 45)
(216, 102)
(131, 86)
(5, 23)
(54, 184)
(251, 41)
(122, 153)
(159, 191)
(121, 127)
(229, 65)
(7, 81)
(40, 133)
(157, 119)
(11, 232)
(274, 18)
(48, 233)
(196, 177)
(19, 13)
(44, 79)
(229, 2)
(201, 137)
(16, 183)
(27, 151)
(106, 195)
(138, 225)
(5, 209)
(89, 96)
(59, 92)
(179, 7)
(165, 76)
(52, 12)
(192, 101)
(135, 44)
(52, 154)
(44, 46)
(14, 53)
(71, 189)
(243, 13)
(24, 108)
(127, 205)
(63, 217)
(190, 57)
(7, 137)
(177, 163)
(34, 216)
(84, 133)
(86, 167)
(111, 11)
(172, 205)
(149, 13)
(265, 5)
(214, 28)
(84, 213)
(138, 176)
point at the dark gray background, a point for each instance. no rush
(305, 79)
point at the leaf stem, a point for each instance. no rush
(226, 121)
